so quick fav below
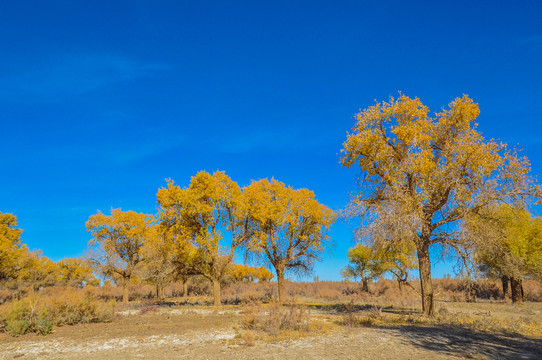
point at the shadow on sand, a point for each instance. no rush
(471, 344)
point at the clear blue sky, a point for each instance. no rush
(101, 101)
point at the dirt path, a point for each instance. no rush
(208, 335)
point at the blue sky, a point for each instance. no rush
(100, 102)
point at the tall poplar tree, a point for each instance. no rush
(423, 174)
(211, 206)
(289, 227)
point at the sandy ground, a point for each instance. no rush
(206, 334)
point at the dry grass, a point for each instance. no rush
(275, 322)
(489, 317)
(38, 313)
(311, 307)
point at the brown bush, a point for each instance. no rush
(275, 319)
(39, 312)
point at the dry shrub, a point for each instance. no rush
(368, 317)
(108, 293)
(5, 296)
(532, 290)
(247, 293)
(276, 320)
(39, 312)
(249, 338)
(384, 292)
(141, 291)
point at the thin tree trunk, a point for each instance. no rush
(280, 283)
(470, 294)
(159, 292)
(216, 292)
(424, 264)
(125, 293)
(185, 288)
(505, 287)
(364, 285)
(516, 285)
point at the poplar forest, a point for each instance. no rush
(219, 268)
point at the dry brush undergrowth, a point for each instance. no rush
(489, 317)
(275, 322)
(312, 308)
(39, 312)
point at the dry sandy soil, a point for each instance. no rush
(214, 334)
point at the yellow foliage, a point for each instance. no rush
(11, 249)
(250, 273)
(508, 241)
(199, 214)
(289, 227)
(75, 272)
(429, 171)
(118, 240)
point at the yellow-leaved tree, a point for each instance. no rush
(421, 175)
(167, 258)
(365, 264)
(371, 262)
(508, 243)
(117, 243)
(75, 272)
(211, 206)
(247, 273)
(37, 271)
(11, 248)
(289, 227)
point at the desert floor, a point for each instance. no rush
(217, 333)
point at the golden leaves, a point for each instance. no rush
(507, 239)
(120, 234)
(11, 250)
(408, 156)
(287, 224)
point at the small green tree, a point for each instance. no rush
(365, 264)
(371, 262)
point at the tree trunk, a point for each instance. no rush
(364, 285)
(216, 292)
(185, 288)
(424, 264)
(505, 287)
(125, 294)
(517, 295)
(280, 283)
(159, 292)
(470, 293)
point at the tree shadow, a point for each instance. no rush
(469, 343)
(348, 308)
(340, 308)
